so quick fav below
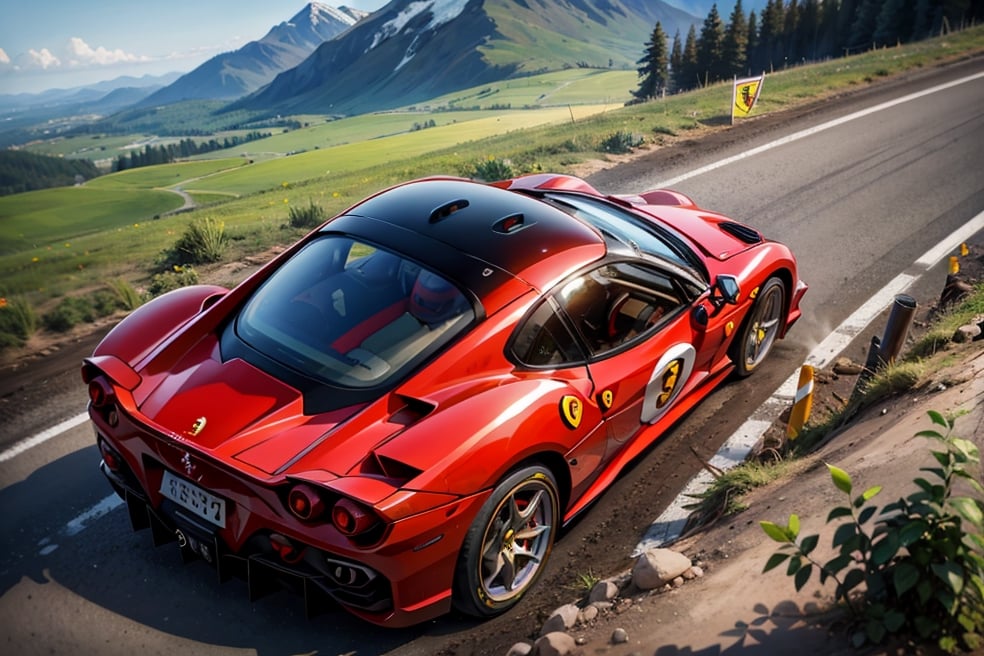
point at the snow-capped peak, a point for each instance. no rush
(442, 11)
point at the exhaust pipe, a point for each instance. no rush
(182, 538)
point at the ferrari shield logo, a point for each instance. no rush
(670, 378)
(606, 399)
(571, 410)
(745, 93)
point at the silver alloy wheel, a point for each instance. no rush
(517, 539)
(764, 325)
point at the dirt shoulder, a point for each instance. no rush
(735, 607)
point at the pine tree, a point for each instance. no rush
(863, 27)
(735, 42)
(676, 59)
(653, 66)
(752, 42)
(895, 22)
(689, 77)
(790, 29)
(770, 37)
(710, 60)
(808, 31)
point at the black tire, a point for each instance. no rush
(760, 329)
(508, 545)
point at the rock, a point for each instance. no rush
(556, 643)
(603, 591)
(560, 620)
(520, 649)
(619, 636)
(966, 333)
(587, 614)
(657, 567)
(847, 367)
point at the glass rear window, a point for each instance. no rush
(352, 314)
(627, 228)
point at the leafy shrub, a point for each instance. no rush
(203, 242)
(620, 142)
(921, 563)
(307, 217)
(128, 298)
(177, 277)
(69, 312)
(491, 169)
(17, 321)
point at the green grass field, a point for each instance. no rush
(57, 241)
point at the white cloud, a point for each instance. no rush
(42, 58)
(81, 54)
(4, 59)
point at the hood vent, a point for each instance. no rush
(742, 232)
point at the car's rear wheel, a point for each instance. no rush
(507, 546)
(761, 328)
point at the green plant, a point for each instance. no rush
(69, 312)
(584, 581)
(307, 217)
(724, 495)
(620, 142)
(491, 169)
(203, 242)
(17, 321)
(128, 298)
(918, 571)
(177, 277)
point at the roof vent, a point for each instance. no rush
(509, 224)
(446, 210)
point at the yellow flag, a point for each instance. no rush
(746, 92)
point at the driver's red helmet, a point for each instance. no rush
(433, 298)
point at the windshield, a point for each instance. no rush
(351, 314)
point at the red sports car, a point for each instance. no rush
(400, 411)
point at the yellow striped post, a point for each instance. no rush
(801, 403)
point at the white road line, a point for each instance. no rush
(80, 521)
(802, 134)
(43, 436)
(672, 521)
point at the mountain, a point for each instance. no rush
(90, 93)
(701, 7)
(412, 50)
(234, 74)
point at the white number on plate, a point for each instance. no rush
(191, 497)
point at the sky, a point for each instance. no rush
(48, 44)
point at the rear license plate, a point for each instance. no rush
(191, 497)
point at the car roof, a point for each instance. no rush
(493, 228)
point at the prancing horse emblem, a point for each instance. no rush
(198, 426)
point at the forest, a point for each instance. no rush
(790, 33)
(22, 171)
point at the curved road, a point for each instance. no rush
(859, 202)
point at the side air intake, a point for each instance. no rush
(742, 232)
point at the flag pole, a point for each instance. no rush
(734, 87)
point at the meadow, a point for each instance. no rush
(66, 241)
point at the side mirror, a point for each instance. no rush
(726, 290)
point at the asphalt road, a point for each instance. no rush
(859, 202)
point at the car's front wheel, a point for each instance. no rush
(507, 546)
(761, 328)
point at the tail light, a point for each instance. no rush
(305, 502)
(350, 518)
(100, 393)
(112, 459)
